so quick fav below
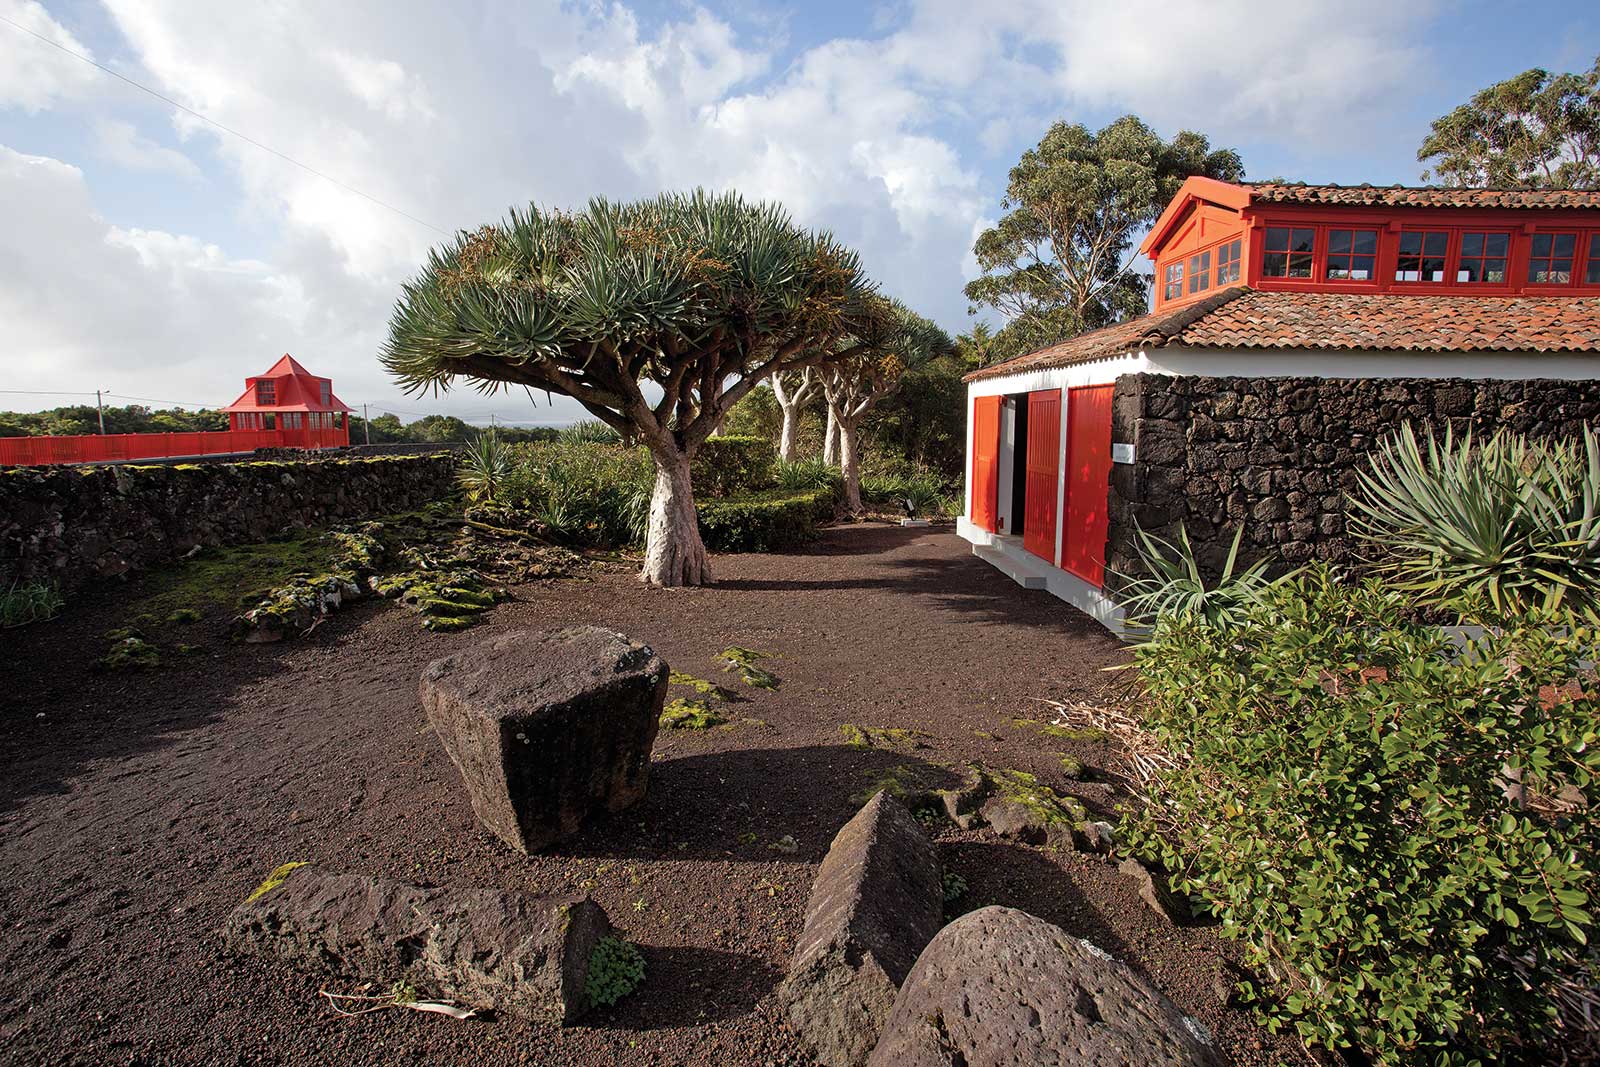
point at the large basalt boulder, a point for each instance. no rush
(548, 728)
(513, 952)
(1001, 988)
(877, 901)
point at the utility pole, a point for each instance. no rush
(366, 423)
(100, 409)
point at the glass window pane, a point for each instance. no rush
(1410, 243)
(1591, 276)
(1304, 240)
(1434, 244)
(1564, 243)
(1300, 265)
(1472, 244)
(1278, 238)
(1366, 242)
(1541, 244)
(1361, 268)
(1338, 240)
(1496, 244)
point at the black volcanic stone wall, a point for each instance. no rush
(1278, 454)
(76, 525)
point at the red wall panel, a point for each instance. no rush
(1083, 548)
(1044, 473)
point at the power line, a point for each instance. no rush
(153, 400)
(225, 129)
(46, 392)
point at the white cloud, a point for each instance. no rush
(33, 76)
(120, 142)
(453, 114)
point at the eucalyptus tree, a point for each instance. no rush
(793, 391)
(702, 294)
(869, 367)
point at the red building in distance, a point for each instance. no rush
(298, 404)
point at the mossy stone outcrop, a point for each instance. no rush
(548, 728)
(516, 953)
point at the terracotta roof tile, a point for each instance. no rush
(1426, 196)
(1246, 318)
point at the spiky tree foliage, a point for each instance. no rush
(869, 368)
(702, 294)
(1537, 128)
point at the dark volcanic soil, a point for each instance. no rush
(137, 809)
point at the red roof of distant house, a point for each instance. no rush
(1248, 318)
(294, 389)
(1421, 196)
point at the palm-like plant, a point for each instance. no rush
(702, 294)
(484, 469)
(1174, 584)
(1505, 522)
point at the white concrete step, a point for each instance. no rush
(1018, 566)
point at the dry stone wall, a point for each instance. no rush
(1277, 455)
(76, 525)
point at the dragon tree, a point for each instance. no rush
(656, 316)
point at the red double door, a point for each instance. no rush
(1088, 468)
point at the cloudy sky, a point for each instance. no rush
(145, 252)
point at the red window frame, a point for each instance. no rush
(1200, 272)
(1479, 247)
(1172, 282)
(1591, 260)
(1230, 260)
(1347, 246)
(1427, 250)
(1547, 262)
(266, 392)
(1290, 253)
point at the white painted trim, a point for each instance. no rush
(1301, 363)
(1061, 477)
(1026, 569)
(971, 406)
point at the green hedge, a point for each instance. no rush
(764, 522)
(726, 466)
(1397, 828)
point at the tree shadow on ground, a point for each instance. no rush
(735, 805)
(691, 986)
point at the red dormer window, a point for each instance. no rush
(327, 394)
(1352, 255)
(266, 393)
(1483, 258)
(1287, 252)
(1200, 272)
(1172, 288)
(1228, 256)
(1550, 258)
(1422, 256)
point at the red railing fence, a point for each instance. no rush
(102, 448)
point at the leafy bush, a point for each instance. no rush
(1506, 524)
(925, 493)
(1173, 583)
(764, 522)
(727, 465)
(581, 493)
(27, 602)
(615, 969)
(1396, 827)
(484, 469)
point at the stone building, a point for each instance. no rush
(1294, 326)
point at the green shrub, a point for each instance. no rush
(588, 432)
(27, 602)
(763, 522)
(1397, 828)
(1503, 524)
(728, 465)
(807, 474)
(485, 468)
(925, 492)
(581, 493)
(615, 969)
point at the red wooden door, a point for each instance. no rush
(985, 461)
(1044, 473)
(1083, 544)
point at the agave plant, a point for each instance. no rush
(1506, 522)
(485, 468)
(1173, 584)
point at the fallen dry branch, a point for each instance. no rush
(368, 1004)
(1143, 756)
